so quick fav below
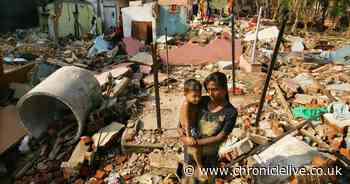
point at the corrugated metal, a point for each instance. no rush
(65, 12)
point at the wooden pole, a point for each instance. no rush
(167, 55)
(256, 36)
(272, 64)
(156, 84)
(233, 49)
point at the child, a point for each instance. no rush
(189, 116)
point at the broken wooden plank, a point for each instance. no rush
(106, 134)
(284, 102)
(25, 168)
(56, 148)
(315, 139)
(120, 87)
(142, 58)
(102, 78)
(80, 153)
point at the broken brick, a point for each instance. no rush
(79, 181)
(120, 159)
(277, 128)
(336, 143)
(319, 162)
(345, 152)
(100, 174)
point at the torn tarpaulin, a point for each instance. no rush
(100, 46)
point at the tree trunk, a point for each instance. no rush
(276, 10)
(297, 9)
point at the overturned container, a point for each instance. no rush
(68, 89)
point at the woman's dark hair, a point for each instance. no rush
(219, 79)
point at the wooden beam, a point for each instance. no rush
(119, 88)
(283, 100)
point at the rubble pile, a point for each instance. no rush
(305, 120)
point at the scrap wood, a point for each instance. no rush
(261, 148)
(322, 144)
(321, 69)
(25, 168)
(284, 102)
(304, 132)
(116, 72)
(343, 159)
(121, 85)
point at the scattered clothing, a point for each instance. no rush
(309, 113)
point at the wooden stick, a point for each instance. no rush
(256, 36)
(284, 102)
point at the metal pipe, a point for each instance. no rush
(156, 85)
(233, 49)
(272, 64)
(256, 36)
(69, 89)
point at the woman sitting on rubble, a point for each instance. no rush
(217, 117)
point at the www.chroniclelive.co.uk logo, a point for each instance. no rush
(289, 170)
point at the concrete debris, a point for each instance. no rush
(142, 58)
(339, 110)
(72, 90)
(339, 87)
(280, 154)
(297, 45)
(236, 149)
(162, 39)
(266, 35)
(82, 152)
(164, 160)
(106, 134)
(102, 78)
(306, 99)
